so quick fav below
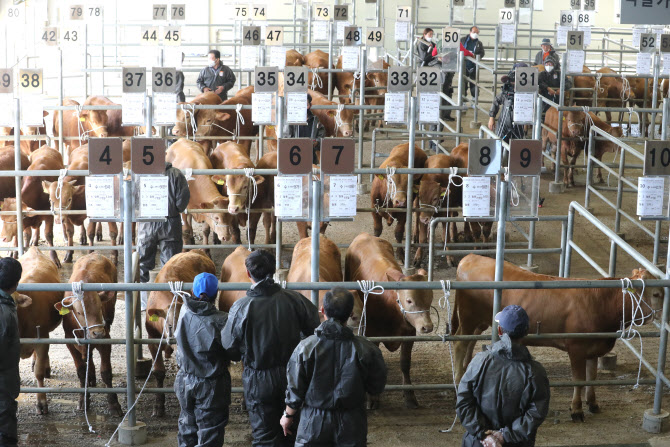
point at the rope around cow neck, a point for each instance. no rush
(630, 332)
(367, 287)
(444, 303)
(316, 79)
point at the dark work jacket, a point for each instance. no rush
(476, 47)
(179, 86)
(213, 78)
(503, 389)
(425, 54)
(178, 197)
(553, 80)
(313, 129)
(505, 127)
(10, 381)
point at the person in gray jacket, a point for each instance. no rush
(503, 397)
(328, 377)
(166, 234)
(10, 381)
(202, 384)
(547, 53)
(216, 77)
(263, 329)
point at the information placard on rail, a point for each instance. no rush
(484, 156)
(341, 193)
(402, 31)
(399, 79)
(395, 107)
(586, 29)
(643, 64)
(524, 107)
(153, 197)
(291, 196)
(249, 55)
(165, 108)
(477, 196)
(652, 197)
(525, 157)
(32, 110)
(429, 107)
(507, 33)
(263, 108)
(105, 156)
(278, 57)
(656, 158)
(102, 197)
(337, 155)
(294, 156)
(132, 109)
(320, 31)
(575, 61)
(351, 58)
(274, 36)
(296, 107)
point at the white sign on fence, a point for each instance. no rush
(429, 107)
(320, 30)
(153, 196)
(288, 196)
(100, 197)
(643, 65)
(342, 196)
(575, 61)
(476, 196)
(562, 35)
(7, 110)
(666, 63)
(132, 107)
(587, 34)
(165, 108)
(32, 110)
(261, 108)
(350, 58)
(402, 31)
(296, 107)
(278, 57)
(394, 107)
(249, 57)
(523, 107)
(650, 196)
(507, 33)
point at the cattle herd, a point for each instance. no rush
(222, 205)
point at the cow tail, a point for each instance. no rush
(454, 316)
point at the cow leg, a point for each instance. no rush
(269, 224)
(105, 352)
(578, 366)
(377, 222)
(254, 218)
(467, 232)
(90, 231)
(205, 238)
(592, 374)
(159, 374)
(235, 231)
(69, 236)
(49, 236)
(98, 231)
(302, 229)
(41, 357)
(405, 365)
(113, 234)
(423, 236)
(399, 233)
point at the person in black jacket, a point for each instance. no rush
(216, 77)
(549, 83)
(503, 397)
(202, 384)
(328, 377)
(10, 381)
(263, 329)
(506, 129)
(427, 52)
(472, 47)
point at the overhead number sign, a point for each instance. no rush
(172, 35)
(6, 80)
(70, 35)
(149, 35)
(459, 2)
(399, 79)
(105, 156)
(296, 79)
(525, 157)
(274, 35)
(241, 12)
(266, 79)
(94, 11)
(258, 12)
(526, 80)
(251, 35)
(134, 80)
(322, 12)
(30, 80)
(77, 12)
(665, 43)
(374, 36)
(14, 12)
(589, 5)
(576, 4)
(644, 12)
(575, 40)
(451, 38)
(584, 18)
(294, 156)
(341, 12)
(147, 155)
(510, 3)
(160, 11)
(337, 156)
(507, 16)
(163, 79)
(484, 156)
(50, 36)
(648, 42)
(428, 79)
(566, 18)
(656, 158)
(403, 13)
(353, 36)
(178, 12)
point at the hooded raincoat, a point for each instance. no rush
(328, 377)
(503, 389)
(203, 381)
(10, 381)
(263, 329)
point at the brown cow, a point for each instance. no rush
(318, 59)
(204, 194)
(115, 127)
(618, 90)
(163, 310)
(7, 184)
(233, 270)
(30, 222)
(82, 124)
(601, 147)
(380, 81)
(575, 128)
(223, 123)
(294, 58)
(550, 311)
(382, 197)
(27, 146)
(91, 316)
(585, 97)
(39, 318)
(345, 83)
(185, 118)
(395, 312)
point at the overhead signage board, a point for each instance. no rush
(644, 12)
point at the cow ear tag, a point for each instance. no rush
(381, 177)
(443, 194)
(153, 317)
(64, 311)
(82, 119)
(416, 190)
(221, 182)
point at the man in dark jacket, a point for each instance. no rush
(328, 376)
(216, 77)
(503, 397)
(506, 129)
(312, 129)
(166, 234)
(472, 47)
(427, 52)
(202, 384)
(10, 382)
(547, 53)
(263, 329)
(549, 83)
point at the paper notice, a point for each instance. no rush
(429, 107)
(523, 107)
(288, 196)
(507, 33)
(643, 65)
(587, 34)
(575, 61)
(320, 30)
(132, 109)
(165, 108)
(637, 33)
(402, 31)
(278, 57)
(350, 57)
(100, 197)
(342, 199)
(296, 107)
(153, 197)
(524, 16)
(562, 35)
(650, 196)
(394, 107)
(261, 108)
(666, 63)
(7, 110)
(476, 196)
(341, 24)
(249, 57)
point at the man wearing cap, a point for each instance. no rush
(547, 53)
(549, 83)
(503, 397)
(203, 381)
(263, 329)
(312, 129)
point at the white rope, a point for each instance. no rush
(443, 302)
(80, 126)
(188, 173)
(637, 317)
(514, 193)
(249, 173)
(189, 115)
(316, 79)
(391, 188)
(239, 121)
(631, 111)
(367, 287)
(176, 289)
(59, 190)
(625, 91)
(338, 117)
(598, 78)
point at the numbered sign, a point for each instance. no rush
(510, 3)
(648, 43)
(451, 38)
(274, 35)
(241, 12)
(584, 18)
(566, 18)
(49, 36)
(15, 12)
(6, 80)
(341, 12)
(172, 35)
(322, 12)
(507, 16)
(149, 35)
(134, 80)
(656, 158)
(589, 5)
(524, 4)
(399, 79)
(525, 157)
(665, 43)
(94, 12)
(374, 36)
(71, 35)
(459, 2)
(251, 35)
(160, 11)
(353, 36)
(403, 13)
(163, 79)
(337, 156)
(576, 4)
(266, 79)
(484, 156)
(575, 40)
(296, 79)
(178, 12)
(258, 12)
(428, 79)
(147, 155)
(30, 81)
(526, 79)
(294, 156)
(105, 155)
(77, 12)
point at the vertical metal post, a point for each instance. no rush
(657, 242)
(654, 95)
(451, 13)
(410, 181)
(476, 97)
(17, 178)
(559, 127)
(330, 60)
(530, 30)
(561, 259)
(378, 12)
(537, 125)
(663, 342)
(278, 223)
(149, 115)
(459, 95)
(589, 169)
(531, 243)
(85, 61)
(372, 153)
(361, 112)
(309, 29)
(259, 143)
(316, 236)
(617, 217)
(128, 278)
(495, 59)
(412, 33)
(61, 144)
(500, 256)
(568, 239)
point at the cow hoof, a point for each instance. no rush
(47, 373)
(417, 263)
(42, 408)
(373, 403)
(594, 408)
(578, 416)
(67, 259)
(158, 412)
(450, 262)
(411, 403)
(56, 261)
(115, 409)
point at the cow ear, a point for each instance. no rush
(394, 275)
(155, 314)
(222, 116)
(22, 300)
(635, 272)
(259, 179)
(106, 296)
(72, 182)
(44, 113)
(46, 186)
(219, 179)
(206, 205)
(63, 306)
(83, 113)
(79, 188)
(221, 202)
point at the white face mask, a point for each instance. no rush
(474, 36)
(211, 63)
(428, 38)
(549, 68)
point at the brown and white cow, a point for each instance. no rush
(574, 129)
(550, 311)
(395, 312)
(318, 59)
(40, 317)
(382, 197)
(224, 123)
(91, 316)
(80, 125)
(7, 184)
(163, 310)
(185, 118)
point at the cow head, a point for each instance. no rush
(87, 312)
(61, 199)
(8, 232)
(344, 122)
(651, 300)
(218, 222)
(183, 125)
(6, 131)
(208, 121)
(238, 188)
(96, 121)
(414, 304)
(575, 122)
(398, 198)
(22, 300)
(433, 194)
(354, 320)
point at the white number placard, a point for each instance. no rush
(100, 197)
(506, 15)
(153, 196)
(342, 196)
(274, 35)
(429, 107)
(476, 196)
(650, 196)
(394, 107)
(288, 196)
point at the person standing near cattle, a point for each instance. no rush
(504, 388)
(312, 129)
(549, 83)
(472, 47)
(10, 381)
(328, 377)
(202, 384)
(263, 329)
(216, 77)
(427, 50)
(547, 53)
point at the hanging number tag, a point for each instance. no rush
(353, 36)
(526, 79)
(160, 11)
(30, 81)
(428, 79)
(241, 12)
(147, 155)
(656, 158)
(451, 38)
(648, 42)
(525, 157)
(506, 16)
(322, 12)
(295, 79)
(274, 35)
(294, 156)
(163, 79)
(575, 40)
(266, 79)
(510, 3)
(134, 80)
(149, 35)
(251, 35)
(576, 4)
(374, 36)
(584, 18)
(589, 5)
(178, 12)
(337, 156)
(258, 12)
(341, 12)
(49, 36)
(403, 13)
(399, 79)
(105, 156)
(6, 80)
(484, 156)
(566, 18)
(77, 12)
(172, 35)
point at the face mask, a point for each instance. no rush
(428, 39)
(549, 68)
(474, 36)
(211, 63)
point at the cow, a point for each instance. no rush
(186, 117)
(294, 58)
(315, 60)
(91, 316)
(30, 221)
(586, 97)
(574, 129)
(550, 311)
(115, 127)
(394, 312)
(382, 196)
(27, 146)
(8, 184)
(345, 83)
(163, 310)
(603, 146)
(379, 80)
(39, 318)
(240, 189)
(226, 123)
(80, 124)
(233, 270)
(186, 154)
(617, 89)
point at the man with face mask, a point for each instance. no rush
(549, 83)
(472, 47)
(427, 51)
(216, 77)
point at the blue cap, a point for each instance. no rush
(513, 319)
(205, 283)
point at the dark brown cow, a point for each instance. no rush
(380, 81)
(381, 197)
(618, 92)
(371, 258)
(601, 147)
(223, 123)
(318, 59)
(91, 315)
(7, 184)
(585, 97)
(574, 129)
(550, 311)
(93, 124)
(163, 310)
(39, 318)
(184, 126)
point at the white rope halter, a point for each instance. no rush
(188, 173)
(338, 117)
(316, 79)
(59, 190)
(637, 317)
(189, 115)
(239, 121)
(391, 187)
(514, 193)
(367, 287)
